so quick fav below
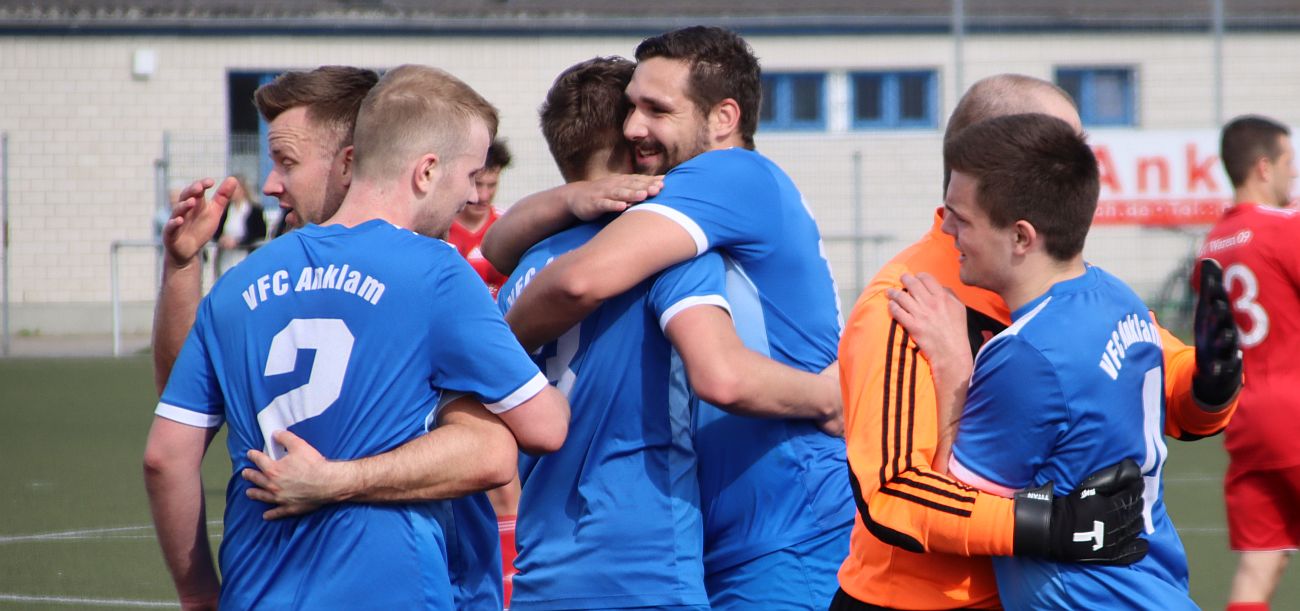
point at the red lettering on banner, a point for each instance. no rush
(1200, 170)
(1161, 165)
(1106, 166)
(1163, 212)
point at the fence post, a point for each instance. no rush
(4, 228)
(117, 300)
(1217, 9)
(958, 37)
(162, 208)
(859, 267)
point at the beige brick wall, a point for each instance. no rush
(84, 134)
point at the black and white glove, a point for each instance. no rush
(1099, 523)
(1218, 349)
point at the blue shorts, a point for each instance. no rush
(802, 576)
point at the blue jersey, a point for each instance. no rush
(346, 337)
(474, 553)
(612, 519)
(1074, 385)
(765, 484)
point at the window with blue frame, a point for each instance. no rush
(894, 100)
(1104, 95)
(793, 102)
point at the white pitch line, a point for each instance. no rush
(1193, 479)
(92, 602)
(89, 533)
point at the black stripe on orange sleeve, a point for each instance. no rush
(911, 407)
(946, 480)
(897, 447)
(884, 420)
(884, 533)
(964, 513)
(956, 495)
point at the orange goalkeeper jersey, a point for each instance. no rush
(920, 537)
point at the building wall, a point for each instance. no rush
(84, 135)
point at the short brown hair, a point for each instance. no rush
(332, 95)
(498, 156)
(584, 112)
(722, 66)
(1031, 167)
(414, 110)
(1245, 140)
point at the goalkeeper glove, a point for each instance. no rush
(1218, 351)
(1099, 523)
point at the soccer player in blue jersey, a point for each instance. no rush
(777, 506)
(1072, 386)
(612, 520)
(351, 335)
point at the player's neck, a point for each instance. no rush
(367, 201)
(730, 142)
(1256, 193)
(1037, 275)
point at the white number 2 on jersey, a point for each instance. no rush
(332, 341)
(1238, 273)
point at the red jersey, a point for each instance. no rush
(1259, 249)
(467, 242)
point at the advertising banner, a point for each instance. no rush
(1160, 177)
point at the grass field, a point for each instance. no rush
(74, 526)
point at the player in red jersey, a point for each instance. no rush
(472, 223)
(1255, 242)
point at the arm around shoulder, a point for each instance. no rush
(632, 248)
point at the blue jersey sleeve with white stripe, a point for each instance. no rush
(699, 281)
(478, 354)
(193, 394)
(724, 199)
(1014, 417)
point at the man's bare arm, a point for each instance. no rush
(470, 451)
(543, 214)
(172, 460)
(193, 222)
(725, 373)
(540, 424)
(633, 247)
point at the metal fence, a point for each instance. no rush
(873, 190)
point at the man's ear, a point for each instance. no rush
(345, 171)
(724, 119)
(1024, 237)
(1263, 170)
(426, 173)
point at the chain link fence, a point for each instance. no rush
(1166, 71)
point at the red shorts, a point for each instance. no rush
(1263, 509)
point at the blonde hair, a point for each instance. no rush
(415, 110)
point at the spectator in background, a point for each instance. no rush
(241, 229)
(1255, 242)
(472, 223)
